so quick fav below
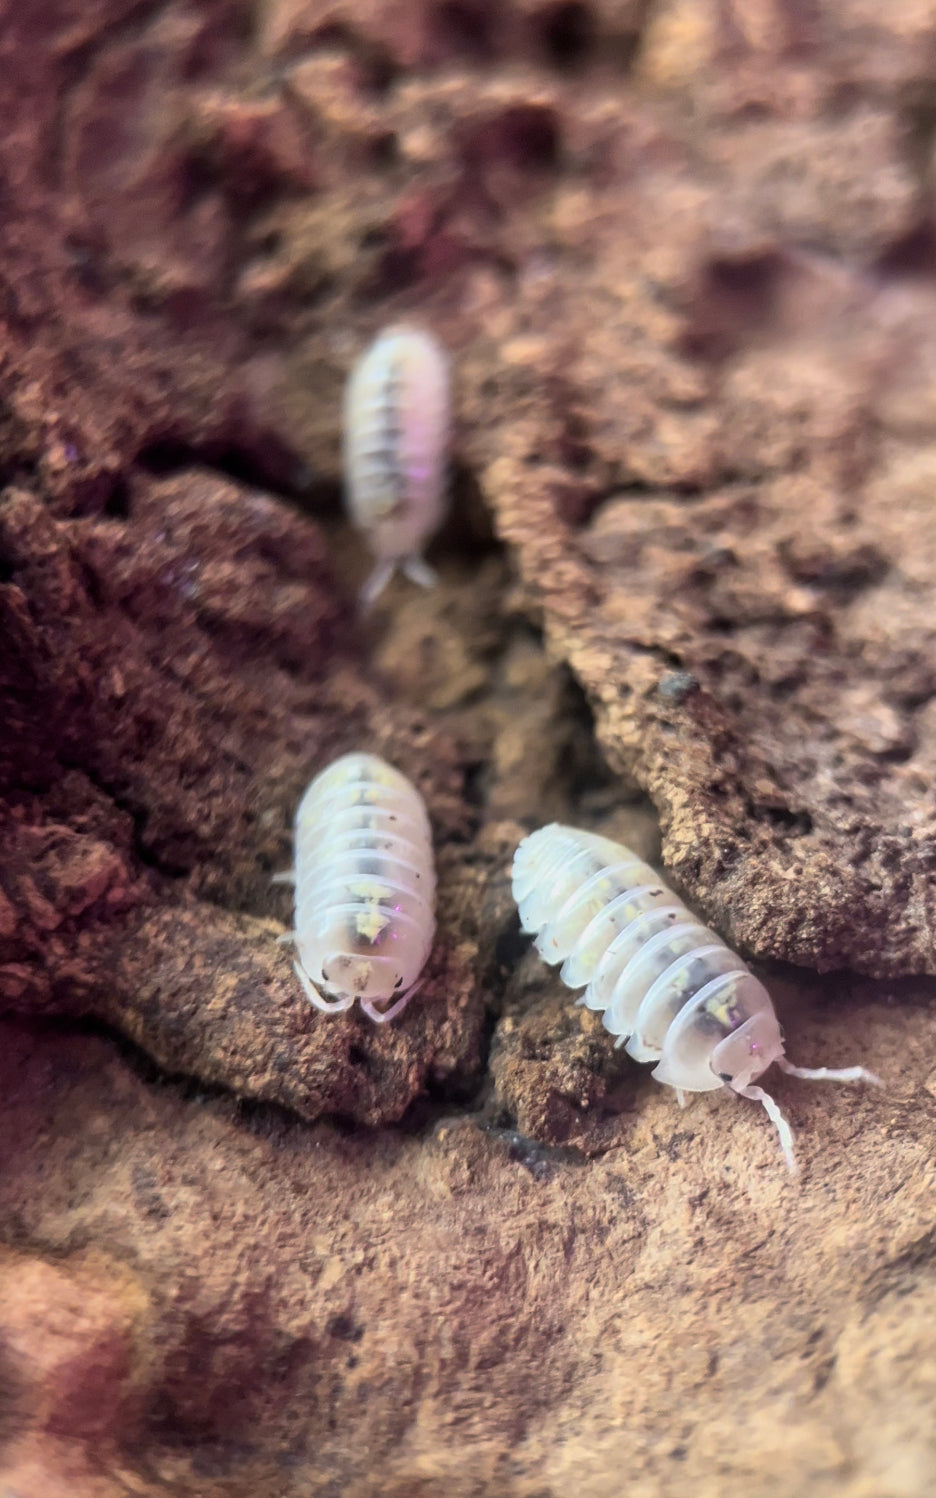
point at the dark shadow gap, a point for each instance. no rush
(266, 464)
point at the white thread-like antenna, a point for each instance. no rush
(758, 1095)
(827, 1074)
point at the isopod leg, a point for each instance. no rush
(681, 1097)
(334, 1006)
(758, 1095)
(376, 583)
(827, 1074)
(380, 1017)
(288, 876)
(420, 572)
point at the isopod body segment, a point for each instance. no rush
(364, 888)
(667, 986)
(396, 434)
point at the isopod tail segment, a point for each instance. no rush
(417, 570)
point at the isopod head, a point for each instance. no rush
(726, 1035)
(748, 1051)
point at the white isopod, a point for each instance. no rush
(365, 887)
(668, 987)
(396, 429)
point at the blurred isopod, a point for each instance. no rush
(667, 986)
(365, 888)
(396, 433)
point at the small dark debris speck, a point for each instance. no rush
(343, 1328)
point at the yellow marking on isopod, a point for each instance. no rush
(371, 890)
(725, 1009)
(373, 919)
(371, 922)
(365, 795)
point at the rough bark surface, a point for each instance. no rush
(684, 255)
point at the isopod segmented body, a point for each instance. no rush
(396, 430)
(365, 887)
(666, 985)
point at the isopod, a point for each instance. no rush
(667, 986)
(365, 888)
(396, 428)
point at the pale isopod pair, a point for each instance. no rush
(670, 988)
(396, 427)
(364, 872)
(365, 888)
(667, 986)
